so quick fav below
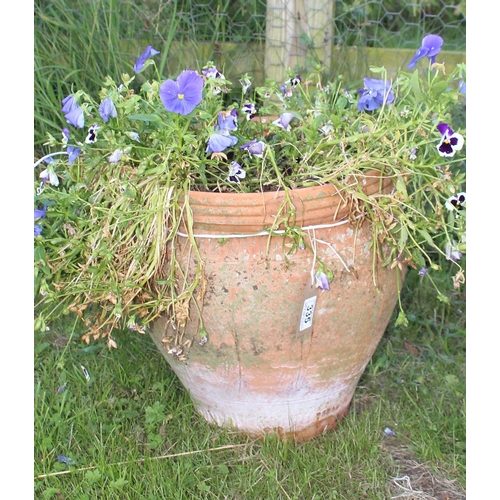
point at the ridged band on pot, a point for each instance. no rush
(282, 355)
(244, 213)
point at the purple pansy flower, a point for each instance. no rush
(149, 52)
(107, 109)
(65, 460)
(431, 45)
(249, 109)
(183, 95)
(65, 135)
(374, 93)
(254, 147)
(72, 154)
(48, 175)
(213, 72)
(423, 271)
(452, 252)
(294, 81)
(322, 280)
(219, 141)
(92, 134)
(450, 142)
(284, 120)
(456, 202)
(245, 83)
(236, 172)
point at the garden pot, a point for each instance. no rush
(282, 356)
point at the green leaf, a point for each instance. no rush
(92, 476)
(439, 88)
(403, 238)
(451, 379)
(223, 469)
(341, 103)
(415, 85)
(41, 347)
(119, 483)
(427, 237)
(401, 187)
(375, 69)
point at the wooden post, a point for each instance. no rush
(286, 21)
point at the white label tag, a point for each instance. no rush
(307, 313)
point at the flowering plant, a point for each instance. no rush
(110, 198)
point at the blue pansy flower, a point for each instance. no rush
(283, 121)
(431, 45)
(107, 109)
(76, 117)
(219, 141)
(72, 154)
(38, 215)
(183, 95)
(227, 121)
(322, 280)
(374, 93)
(68, 104)
(149, 52)
(72, 112)
(254, 147)
(115, 156)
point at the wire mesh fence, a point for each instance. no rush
(263, 36)
(259, 36)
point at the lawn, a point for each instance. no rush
(118, 424)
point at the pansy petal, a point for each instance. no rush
(107, 109)
(219, 142)
(76, 117)
(39, 213)
(444, 128)
(73, 154)
(68, 104)
(149, 52)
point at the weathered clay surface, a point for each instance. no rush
(258, 372)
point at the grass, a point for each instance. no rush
(133, 433)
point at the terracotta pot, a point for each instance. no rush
(282, 355)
